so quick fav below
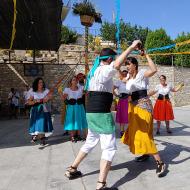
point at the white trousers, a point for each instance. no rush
(107, 142)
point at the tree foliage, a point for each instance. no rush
(182, 60)
(159, 38)
(108, 31)
(68, 36)
(128, 33)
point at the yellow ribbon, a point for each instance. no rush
(60, 89)
(14, 24)
(165, 54)
(183, 43)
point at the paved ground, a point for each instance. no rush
(30, 167)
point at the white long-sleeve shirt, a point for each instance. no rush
(14, 98)
(164, 90)
(41, 95)
(73, 94)
(121, 86)
(102, 81)
(138, 83)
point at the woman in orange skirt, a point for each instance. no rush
(139, 134)
(163, 110)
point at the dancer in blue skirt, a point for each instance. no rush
(40, 117)
(75, 120)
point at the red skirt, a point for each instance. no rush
(163, 110)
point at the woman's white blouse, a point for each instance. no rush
(121, 86)
(160, 89)
(73, 94)
(39, 95)
(138, 83)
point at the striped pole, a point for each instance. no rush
(86, 50)
(117, 3)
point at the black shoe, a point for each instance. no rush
(121, 134)
(104, 187)
(169, 131)
(73, 139)
(34, 139)
(108, 188)
(79, 138)
(73, 173)
(142, 158)
(43, 141)
(161, 168)
(158, 132)
(66, 133)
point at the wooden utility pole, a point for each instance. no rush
(86, 50)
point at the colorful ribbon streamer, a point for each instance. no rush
(165, 48)
(14, 24)
(161, 48)
(169, 46)
(165, 54)
(117, 2)
(183, 43)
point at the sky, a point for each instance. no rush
(172, 15)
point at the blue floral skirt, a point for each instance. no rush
(40, 121)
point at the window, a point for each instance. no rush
(33, 70)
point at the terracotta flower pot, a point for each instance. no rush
(87, 20)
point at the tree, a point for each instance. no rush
(68, 36)
(141, 33)
(108, 31)
(159, 38)
(91, 42)
(128, 33)
(182, 60)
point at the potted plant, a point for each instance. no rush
(87, 12)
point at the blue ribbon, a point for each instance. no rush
(117, 21)
(135, 52)
(161, 48)
(118, 26)
(155, 49)
(96, 64)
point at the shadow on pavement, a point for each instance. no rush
(169, 154)
(14, 133)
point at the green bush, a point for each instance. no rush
(128, 33)
(68, 36)
(182, 60)
(159, 38)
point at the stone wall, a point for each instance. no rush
(8, 79)
(70, 54)
(175, 75)
(182, 98)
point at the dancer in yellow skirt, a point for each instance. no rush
(139, 135)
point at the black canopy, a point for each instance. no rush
(37, 24)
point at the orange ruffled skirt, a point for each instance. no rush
(163, 110)
(139, 134)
